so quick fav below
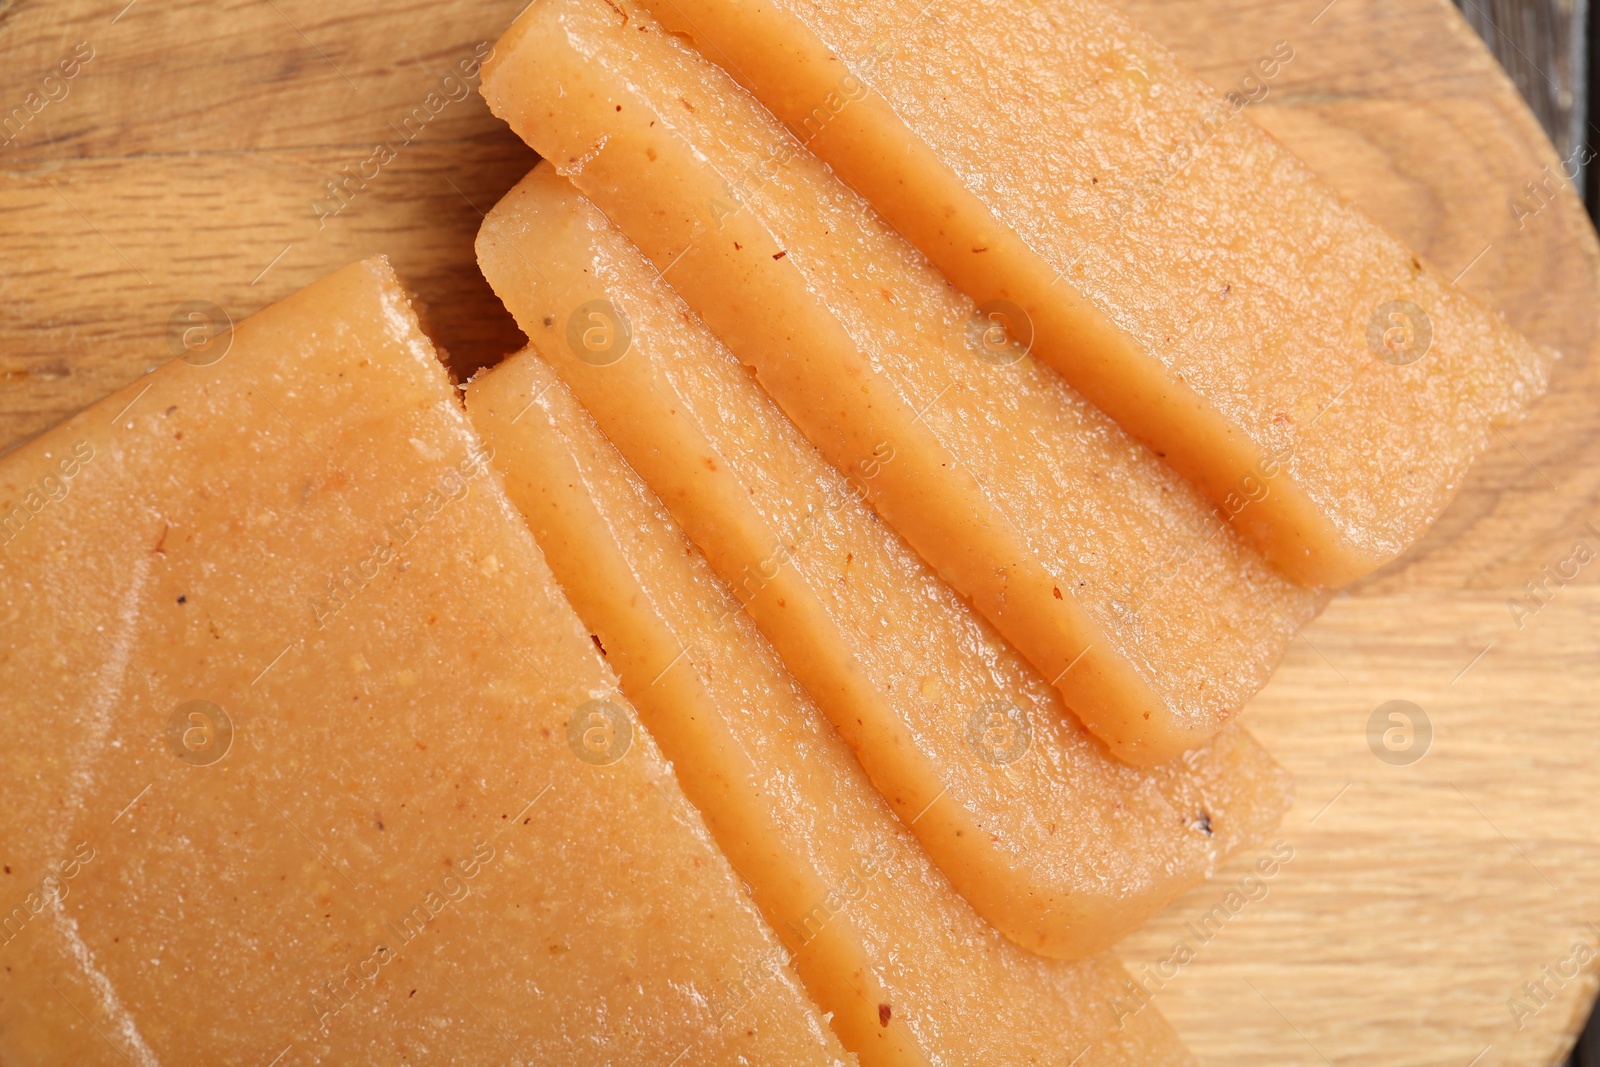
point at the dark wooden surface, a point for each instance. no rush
(1544, 45)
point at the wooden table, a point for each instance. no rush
(1544, 46)
(184, 164)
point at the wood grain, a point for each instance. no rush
(188, 154)
(183, 164)
(1423, 898)
(1544, 46)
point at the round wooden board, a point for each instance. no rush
(186, 162)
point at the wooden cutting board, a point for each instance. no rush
(184, 168)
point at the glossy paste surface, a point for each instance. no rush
(911, 974)
(1326, 389)
(1095, 560)
(287, 770)
(1062, 847)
